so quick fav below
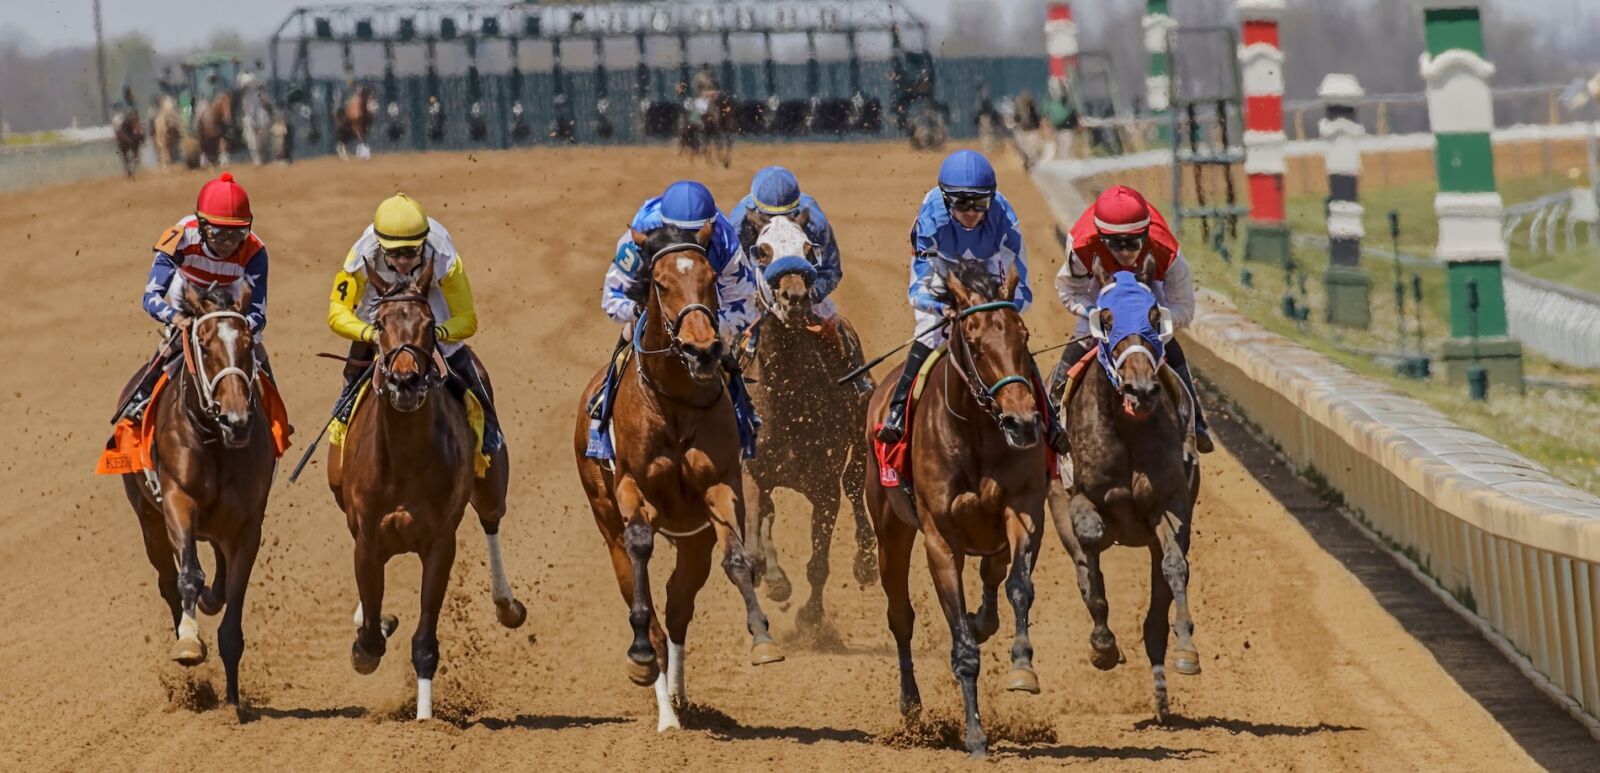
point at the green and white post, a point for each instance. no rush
(1468, 205)
(1158, 24)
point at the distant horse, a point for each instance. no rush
(216, 129)
(168, 136)
(1131, 484)
(259, 124)
(677, 469)
(404, 477)
(711, 135)
(353, 122)
(129, 130)
(979, 469)
(214, 461)
(810, 442)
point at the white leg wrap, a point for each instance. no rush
(424, 699)
(500, 587)
(358, 615)
(675, 671)
(668, 717)
(187, 627)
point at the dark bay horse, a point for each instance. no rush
(216, 129)
(404, 477)
(129, 131)
(1132, 485)
(712, 135)
(214, 461)
(979, 470)
(677, 467)
(353, 122)
(810, 443)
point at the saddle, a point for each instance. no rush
(1170, 381)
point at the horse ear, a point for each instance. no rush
(1099, 271)
(189, 300)
(1147, 269)
(958, 290)
(425, 278)
(379, 284)
(1155, 317)
(242, 304)
(703, 236)
(1009, 292)
(763, 253)
(1105, 321)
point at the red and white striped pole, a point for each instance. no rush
(1261, 60)
(1061, 42)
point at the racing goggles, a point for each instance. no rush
(968, 201)
(404, 253)
(1124, 242)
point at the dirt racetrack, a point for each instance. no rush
(1304, 668)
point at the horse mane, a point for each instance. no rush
(978, 281)
(217, 295)
(662, 238)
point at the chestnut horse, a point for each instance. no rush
(168, 131)
(677, 468)
(214, 461)
(215, 128)
(712, 135)
(404, 477)
(353, 122)
(809, 421)
(979, 471)
(1132, 486)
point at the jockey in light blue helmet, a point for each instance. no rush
(774, 192)
(963, 220)
(689, 206)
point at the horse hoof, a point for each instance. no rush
(1186, 662)
(765, 652)
(779, 588)
(210, 604)
(512, 614)
(643, 674)
(1107, 659)
(867, 570)
(388, 624)
(363, 663)
(1022, 680)
(189, 652)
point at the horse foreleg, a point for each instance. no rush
(727, 515)
(1156, 630)
(945, 566)
(855, 477)
(688, 577)
(230, 635)
(436, 563)
(180, 509)
(373, 628)
(1083, 532)
(777, 581)
(1173, 533)
(638, 538)
(1023, 531)
(824, 513)
(157, 547)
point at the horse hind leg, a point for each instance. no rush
(1082, 531)
(157, 548)
(824, 514)
(1156, 630)
(726, 518)
(986, 621)
(779, 588)
(895, 541)
(488, 501)
(211, 600)
(855, 476)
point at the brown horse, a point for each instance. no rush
(677, 466)
(353, 122)
(129, 131)
(810, 444)
(404, 477)
(712, 135)
(215, 128)
(979, 467)
(1131, 486)
(168, 136)
(213, 468)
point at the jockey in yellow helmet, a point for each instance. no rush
(397, 244)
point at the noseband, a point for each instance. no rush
(385, 361)
(967, 366)
(207, 384)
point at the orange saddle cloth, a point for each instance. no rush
(132, 446)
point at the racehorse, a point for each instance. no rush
(712, 135)
(676, 469)
(809, 420)
(215, 128)
(259, 125)
(1132, 484)
(404, 477)
(168, 127)
(979, 471)
(129, 130)
(213, 468)
(354, 121)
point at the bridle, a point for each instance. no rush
(674, 344)
(385, 359)
(967, 367)
(206, 384)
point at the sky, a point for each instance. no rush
(184, 24)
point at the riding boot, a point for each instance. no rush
(1179, 363)
(353, 379)
(744, 410)
(139, 399)
(1054, 433)
(600, 403)
(894, 422)
(1057, 388)
(461, 363)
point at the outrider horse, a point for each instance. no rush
(1132, 484)
(979, 469)
(214, 458)
(809, 421)
(677, 469)
(404, 477)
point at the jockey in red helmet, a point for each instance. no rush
(214, 246)
(1119, 231)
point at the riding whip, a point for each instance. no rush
(337, 409)
(851, 376)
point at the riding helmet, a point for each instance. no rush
(1121, 210)
(775, 191)
(223, 202)
(687, 204)
(400, 222)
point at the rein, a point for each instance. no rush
(385, 359)
(670, 326)
(967, 367)
(195, 365)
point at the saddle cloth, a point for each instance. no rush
(480, 461)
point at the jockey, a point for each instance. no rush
(1118, 232)
(775, 191)
(964, 219)
(215, 245)
(690, 206)
(705, 91)
(400, 238)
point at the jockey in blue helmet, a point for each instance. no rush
(774, 192)
(690, 207)
(963, 220)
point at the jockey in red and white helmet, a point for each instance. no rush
(214, 246)
(1119, 231)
